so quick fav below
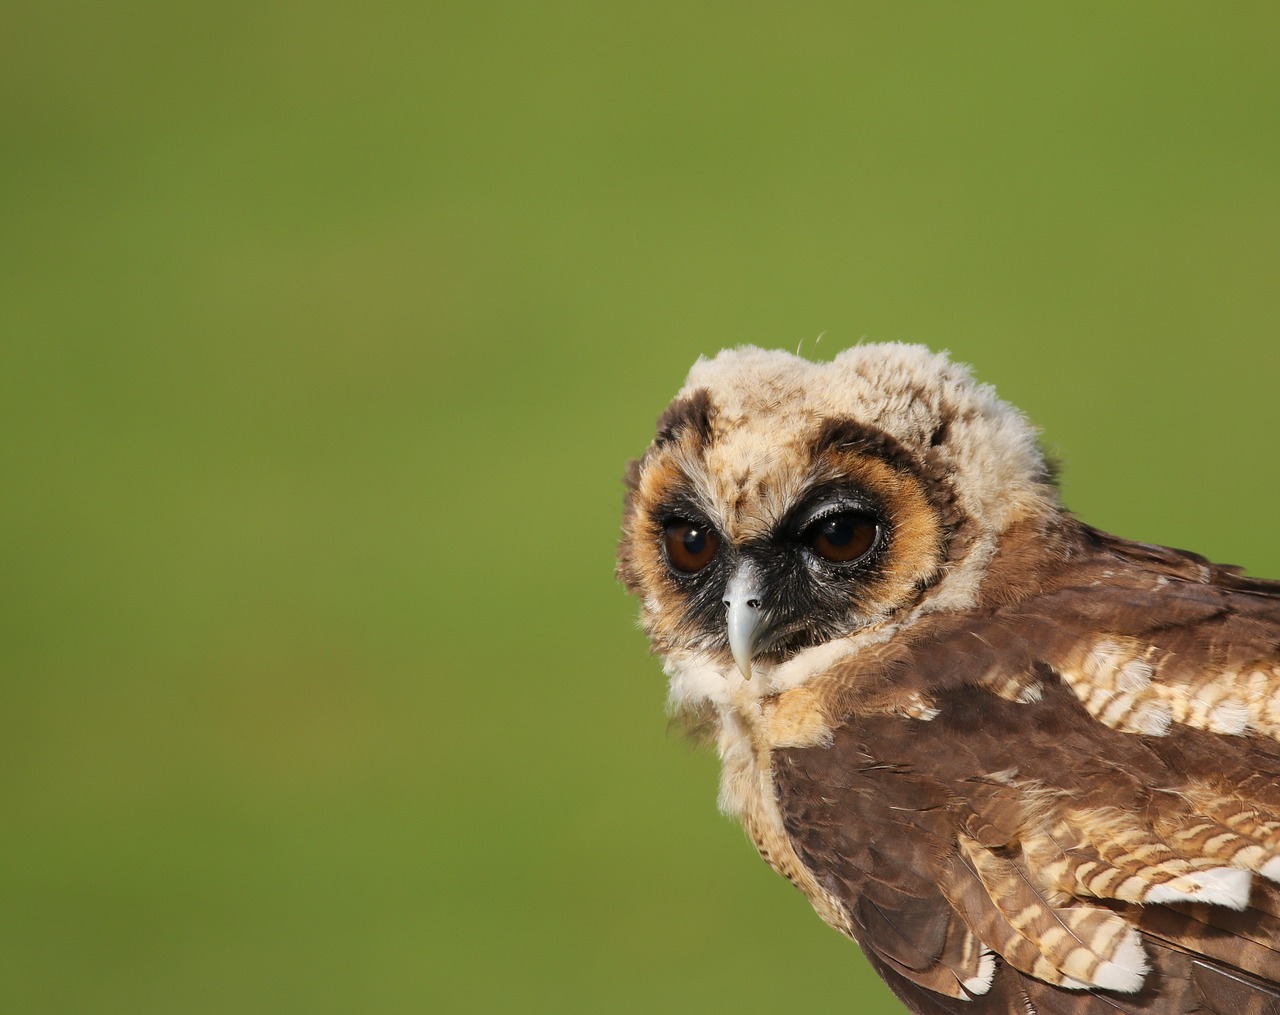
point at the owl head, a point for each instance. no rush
(785, 505)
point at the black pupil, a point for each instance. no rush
(840, 530)
(695, 540)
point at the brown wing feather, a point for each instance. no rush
(1109, 740)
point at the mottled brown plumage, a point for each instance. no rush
(1028, 766)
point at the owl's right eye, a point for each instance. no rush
(690, 546)
(843, 538)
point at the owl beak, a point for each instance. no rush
(744, 613)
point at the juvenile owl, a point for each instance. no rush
(1029, 767)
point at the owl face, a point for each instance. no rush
(753, 532)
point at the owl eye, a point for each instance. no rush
(842, 538)
(690, 546)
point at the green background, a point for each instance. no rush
(325, 333)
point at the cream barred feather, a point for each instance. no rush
(1074, 946)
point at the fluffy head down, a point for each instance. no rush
(758, 443)
(770, 400)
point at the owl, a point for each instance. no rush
(1028, 766)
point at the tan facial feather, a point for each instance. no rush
(913, 395)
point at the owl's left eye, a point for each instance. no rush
(842, 538)
(690, 546)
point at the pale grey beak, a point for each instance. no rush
(742, 598)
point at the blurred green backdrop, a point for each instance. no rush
(325, 333)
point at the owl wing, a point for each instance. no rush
(1070, 804)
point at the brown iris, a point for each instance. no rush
(690, 546)
(842, 538)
